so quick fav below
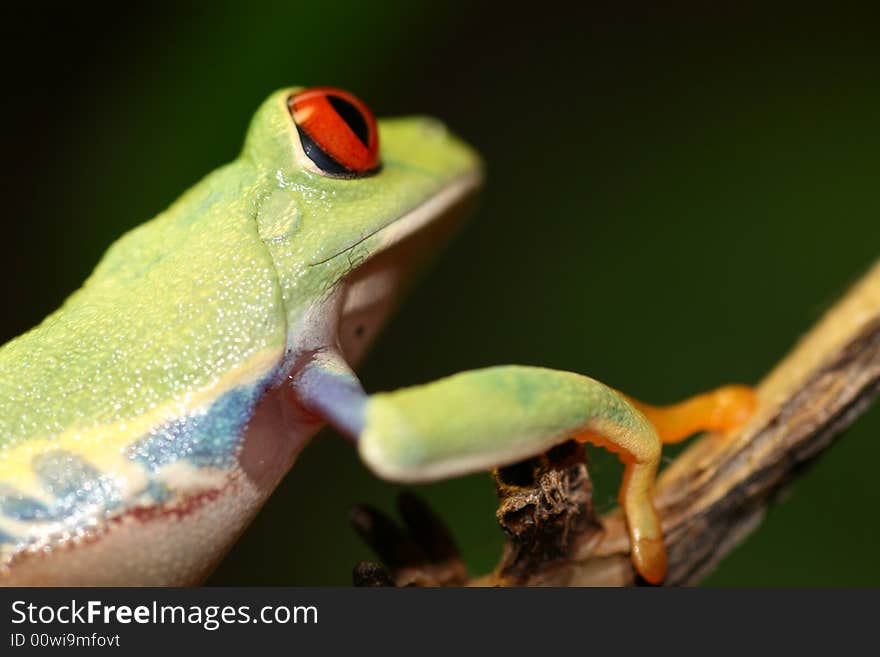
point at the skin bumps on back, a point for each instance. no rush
(177, 304)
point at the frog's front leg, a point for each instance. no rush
(489, 418)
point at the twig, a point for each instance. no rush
(713, 495)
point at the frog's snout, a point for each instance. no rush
(424, 143)
(432, 128)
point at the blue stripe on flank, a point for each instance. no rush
(74, 484)
(69, 477)
(204, 439)
(77, 487)
(19, 507)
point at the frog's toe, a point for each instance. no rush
(649, 557)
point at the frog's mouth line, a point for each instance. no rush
(417, 218)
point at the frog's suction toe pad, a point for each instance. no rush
(649, 556)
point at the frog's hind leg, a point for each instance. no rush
(722, 409)
(499, 415)
(488, 418)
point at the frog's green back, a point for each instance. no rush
(177, 313)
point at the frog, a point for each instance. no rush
(145, 422)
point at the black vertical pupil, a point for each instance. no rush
(352, 116)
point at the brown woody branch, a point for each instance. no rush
(717, 491)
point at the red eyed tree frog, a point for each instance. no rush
(144, 423)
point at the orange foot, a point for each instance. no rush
(723, 409)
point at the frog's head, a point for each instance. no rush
(352, 205)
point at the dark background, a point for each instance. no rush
(674, 195)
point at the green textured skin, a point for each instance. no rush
(502, 414)
(497, 416)
(174, 304)
(225, 273)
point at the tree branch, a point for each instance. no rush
(716, 493)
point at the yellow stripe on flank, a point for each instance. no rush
(104, 446)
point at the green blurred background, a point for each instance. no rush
(674, 195)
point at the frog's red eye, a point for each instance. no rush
(337, 131)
